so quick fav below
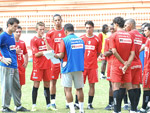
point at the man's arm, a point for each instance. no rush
(114, 51)
(25, 60)
(108, 53)
(59, 55)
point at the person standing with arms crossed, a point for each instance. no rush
(92, 51)
(53, 37)
(22, 55)
(8, 64)
(72, 64)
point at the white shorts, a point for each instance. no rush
(77, 77)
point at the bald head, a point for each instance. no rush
(130, 24)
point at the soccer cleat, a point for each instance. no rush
(81, 112)
(90, 107)
(126, 107)
(53, 105)
(51, 108)
(76, 106)
(108, 107)
(33, 108)
(142, 110)
(22, 109)
(103, 76)
(7, 110)
(67, 106)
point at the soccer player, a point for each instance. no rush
(102, 37)
(22, 55)
(146, 78)
(136, 66)
(72, 64)
(53, 37)
(8, 65)
(122, 47)
(41, 66)
(92, 51)
(108, 54)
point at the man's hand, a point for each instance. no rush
(25, 64)
(6, 61)
(124, 69)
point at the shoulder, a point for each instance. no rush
(83, 36)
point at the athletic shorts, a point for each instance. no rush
(136, 74)
(92, 75)
(22, 79)
(146, 78)
(117, 75)
(41, 74)
(76, 77)
(55, 71)
(108, 71)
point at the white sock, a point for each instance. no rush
(34, 105)
(53, 101)
(67, 103)
(71, 106)
(81, 106)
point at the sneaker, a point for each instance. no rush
(126, 107)
(103, 76)
(67, 106)
(7, 110)
(148, 111)
(142, 110)
(22, 109)
(51, 108)
(81, 112)
(76, 106)
(90, 107)
(33, 108)
(108, 107)
(53, 105)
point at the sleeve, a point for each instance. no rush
(106, 46)
(25, 49)
(49, 39)
(1, 40)
(100, 36)
(62, 47)
(33, 46)
(144, 40)
(112, 41)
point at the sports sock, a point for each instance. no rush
(137, 91)
(116, 100)
(34, 94)
(90, 100)
(103, 73)
(125, 99)
(47, 96)
(53, 96)
(71, 106)
(146, 97)
(122, 92)
(76, 99)
(132, 99)
(110, 100)
(81, 105)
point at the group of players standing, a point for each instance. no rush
(121, 49)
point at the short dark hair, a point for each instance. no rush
(19, 27)
(56, 15)
(11, 21)
(148, 26)
(1, 29)
(69, 27)
(119, 20)
(104, 27)
(89, 23)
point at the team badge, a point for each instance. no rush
(59, 35)
(89, 42)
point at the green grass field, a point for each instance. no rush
(99, 103)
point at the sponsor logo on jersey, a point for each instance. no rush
(12, 47)
(90, 47)
(42, 47)
(138, 42)
(57, 39)
(77, 46)
(136, 66)
(125, 40)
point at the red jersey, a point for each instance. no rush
(106, 48)
(54, 37)
(20, 60)
(92, 48)
(38, 45)
(138, 41)
(147, 55)
(123, 42)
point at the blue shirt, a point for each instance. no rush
(75, 49)
(8, 49)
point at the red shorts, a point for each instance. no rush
(136, 74)
(41, 74)
(22, 79)
(92, 75)
(117, 75)
(55, 71)
(146, 78)
(108, 71)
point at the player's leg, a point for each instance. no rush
(126, 104)
(103, 68)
